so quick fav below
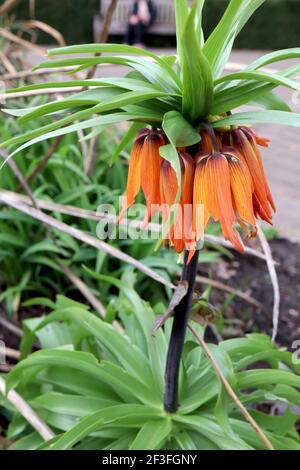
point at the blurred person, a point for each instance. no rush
(142, 17)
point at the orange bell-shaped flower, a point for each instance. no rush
(180, 234)
(144, 171)
(212, 189)
(134, 172)
(245, 141)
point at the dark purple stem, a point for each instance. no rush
(181, 317)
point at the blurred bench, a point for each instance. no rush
(164, 23)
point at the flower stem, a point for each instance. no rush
(212, 136)
(181, 316)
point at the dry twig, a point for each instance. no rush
(274, 279)
(7, 6)
(7, 63)
(103, 36)
(91, 215)
(12, 353)
(88, 294)
(91, 156)
(230, 290)
(32, 73)
(42, 163)
(21, 42)
(11, 163)
(83, 237)
(10, 326)
(47, 29)
(227, 244)
(27, 412)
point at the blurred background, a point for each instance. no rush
(274, 26)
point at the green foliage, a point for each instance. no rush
(197, 74)
(153, 89)
(100, 389)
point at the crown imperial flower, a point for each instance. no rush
(224, 182)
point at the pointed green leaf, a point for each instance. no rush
(276, 56)
(126, 139)
(197, 81)
(270, 100)
(152, 435)
(112, 48)
(119, 346)
(260, 77)
(56, 128)
(130, 415)
(219, 44)
(74, 359)
(117, 101)
(260, 117)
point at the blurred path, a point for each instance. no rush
(282, 161)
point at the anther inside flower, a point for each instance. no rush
(224, 182)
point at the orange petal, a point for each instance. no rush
(180, 232)
(262, 141)
(188, 172)
(201, 211)
(260, 161)
(169, 190)
(259, 211)
(192, 251)
(242, 189)
(219, 197)
(134, 173)
(206, 144)
(150, 172)
(245, 147)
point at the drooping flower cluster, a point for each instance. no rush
(224, 181)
